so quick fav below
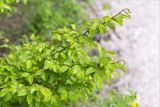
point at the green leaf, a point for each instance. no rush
(74, 27)
(112, 53)
(48, 64)
(75, 69)
(63, 95)
(43, 76)
(40, 72)
(54, 100)
(63, 69)
(46, 93)
(8, 97)
(107, 18)
(93, 28)
(29, 64)
(25, 74)
(70, 51)
(3, 92)
(119, 21)
(116, 74)
(55, 67)
(101, 51)
(25, 1)
(106, 6)
(22, 92)
(29, 98)
(121, 66)
(101, 28)
(30, 79)
(90, 70)
(33, 89)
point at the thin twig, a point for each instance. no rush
(118, 62)
(113, 17)
(124, 10)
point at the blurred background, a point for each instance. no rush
(137, 41)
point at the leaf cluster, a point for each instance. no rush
(59, 71)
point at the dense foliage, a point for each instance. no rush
(39, 16)
(59, 71)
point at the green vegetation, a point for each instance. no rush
(53, 67)
(114, 99)
(40, 17)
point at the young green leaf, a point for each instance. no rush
(29, 64)
(30, 79)
(22, 92)
(74, 27)
(90, 70)
(25, 74)
(46, 93)
(48, 64)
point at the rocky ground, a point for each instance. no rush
(138, 44)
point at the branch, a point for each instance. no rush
(113, 17)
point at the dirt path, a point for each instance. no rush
(139, 45)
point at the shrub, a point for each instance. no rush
(59, 71)
(40, 17)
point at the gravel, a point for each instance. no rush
(139, 46)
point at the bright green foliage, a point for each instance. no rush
(114, 99)
(59, 71)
